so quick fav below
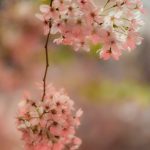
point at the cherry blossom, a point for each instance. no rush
(50, 124)
(80, 23)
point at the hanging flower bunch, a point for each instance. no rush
(50, 124)
(81, 22)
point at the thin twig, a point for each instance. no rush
(47, 59)
(106, 3)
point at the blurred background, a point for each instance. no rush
(115, 95)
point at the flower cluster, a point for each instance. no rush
(49, 124)
(80, 23)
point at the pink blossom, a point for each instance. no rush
(45, 22)
(111, 46)
(133, 39)
(106, 54)
(139, 6)
(76, 142)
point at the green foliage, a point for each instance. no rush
(94, 49)
(45, 1)
(109, 91)
(59, 55)
(62, 55)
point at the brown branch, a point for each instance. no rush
(47, 59)
(106, 3)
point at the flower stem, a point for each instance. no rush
(47, 59)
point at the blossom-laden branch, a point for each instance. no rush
(115, 26)
(50, 123)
